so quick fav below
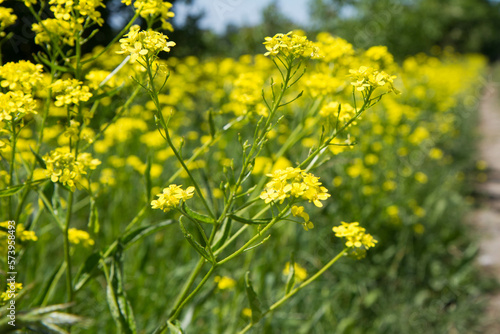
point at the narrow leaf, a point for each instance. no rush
(11, 190)
(211, 123)
(39, 159)
(189, 237)
(139, 233)
(253, 300)
(250, 221)
(86, 270)
(197, 216)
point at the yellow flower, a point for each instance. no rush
(294, 182)
(354, 235)
(367, 77)
(300, 272)
(22, 75)
(76, 237)
(172, 197)
(62, 166)
(154, 8)
(11, 292)
(291, 46)
(224, 282)
(144, 44)
(14, 105)
(70, 92)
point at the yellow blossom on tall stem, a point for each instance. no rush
(171, 197)
(355, 235)
(144, 44)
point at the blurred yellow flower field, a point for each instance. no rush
(159, 194)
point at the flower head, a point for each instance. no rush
(355, 235)
(290, 45)
(146, 43)
(367, 77)
(70, 91)
(172, 197)
(294, 182)
(15, 105)
(63, 167)
(76, 237)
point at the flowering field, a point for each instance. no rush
(311, 187)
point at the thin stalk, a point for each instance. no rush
(255, 237)
(12, 163)
(192, 294)
(297, 289)
(154, 96)
(67, 256)
(187, 286)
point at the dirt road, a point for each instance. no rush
(487, 217)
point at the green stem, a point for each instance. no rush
(323, 146)
(297, 289)
(257, 141)
(154, 96)
(67, 256)
(12, 163)
(189, 283)
(255, 237)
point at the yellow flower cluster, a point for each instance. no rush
(153, 9)
(294, 182)
(65, 10)
(355, 235)
(367, 77)
(64, 168)
(246, 95)
(61, 29)
(14, 105)
(172, 197)
(70, 91)
(76, 237)
(291, 46)
(6, 19)
(146, 43)
(21, 233)
(23, 75)
(333, 48)
(10, 293)
(70, 18)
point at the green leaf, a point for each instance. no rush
(133, 236)
(253, 300)
(86, 270)
(211, 123)
(197, 216)
(222, 234)
(94, 217)
(39, 159)
(9, 191)
(250, 221)
(189, 237)
(123, 302)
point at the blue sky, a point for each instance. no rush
(218, 13)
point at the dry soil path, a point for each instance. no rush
(487, 217)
